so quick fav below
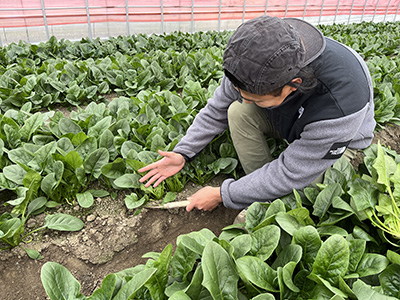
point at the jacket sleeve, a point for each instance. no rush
(209, 122)
(297, 166)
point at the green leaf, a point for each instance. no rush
(363, 194)
(254, 215)
(31, 125)
(32, 181)
(366, 292)
(156, 285)
(65, 145)
(42, 155)
(324, 199)
(344, 287)
(135, 164)
(132, 201)
(385, 167)
(288, 222)
(157, 143)
(15, 173)
(107, 289)
(220, 276)
(331, 230)
(291, 253)
(371, 264)
(241, 245)
(393, 257)
(59, 283)
(95, 161)
(52, 204)
(100, 127)
(74, 91)
(9, 228)
(332, 259)
(49, 184)
(67, 125)
(85, 199)
(1, 147)
(87, 145)
(196, 241)
(264, 296)
(390, 281)
(36, 205)
(104, 87)
(345, 167)
(73, 160)
(34, 254)
(195, 290)
(63, 222)
(179, 295)
(99, 193)
(19, 155)
(114, 169)
(357, 249)
(169, 197)
(128, 181)
(265, 241)
(308, 238)
(107, 141)
(302, 215)
(323, 282)
(258, 272)
(287, 274)
(359, 233)
(182, 262)
(90, 91)
(274, 208)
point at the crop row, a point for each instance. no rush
(48, 159)
(321, 244)
(370, 39)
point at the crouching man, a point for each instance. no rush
(283, 79)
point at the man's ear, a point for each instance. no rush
(296, 82)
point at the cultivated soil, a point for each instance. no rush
(114, 238)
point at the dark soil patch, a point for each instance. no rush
(112, 240)
(115, 239)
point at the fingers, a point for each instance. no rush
(153, 178)
(148, 167)
(157, 163)
(148, 175)
(191, 204)
(159, 181)
(164, 153)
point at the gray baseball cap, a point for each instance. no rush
(267, 52)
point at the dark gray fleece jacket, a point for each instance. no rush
(319, 125)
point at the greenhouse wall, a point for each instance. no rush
(37, 20)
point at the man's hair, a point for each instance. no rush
(307, 75)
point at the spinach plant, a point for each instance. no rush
(317, 243)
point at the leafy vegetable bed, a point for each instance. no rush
(48, 160)
(317, 244)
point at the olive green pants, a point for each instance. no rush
(249, 128)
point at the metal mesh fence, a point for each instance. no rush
(37, 20)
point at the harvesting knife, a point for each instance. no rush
(169, 205)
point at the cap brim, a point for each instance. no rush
(313, 39)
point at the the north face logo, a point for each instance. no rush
(336, 150)
(301, 111)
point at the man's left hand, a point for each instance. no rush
(207, 198)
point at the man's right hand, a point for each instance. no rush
(169, 165)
